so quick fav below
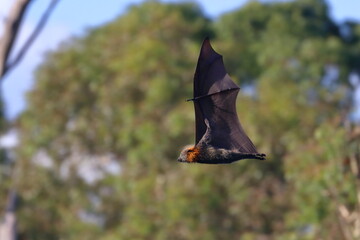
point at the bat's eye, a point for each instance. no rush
(191, 150)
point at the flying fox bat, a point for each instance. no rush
(220, 137)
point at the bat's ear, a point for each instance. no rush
(206, 49)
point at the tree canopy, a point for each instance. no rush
(115, 97)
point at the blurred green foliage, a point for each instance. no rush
(119, 92)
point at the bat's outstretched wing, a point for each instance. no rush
(214, 99)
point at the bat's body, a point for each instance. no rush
(211, 155)
(204, 152)
(220, 138)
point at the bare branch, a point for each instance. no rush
(8, 223)
(11, 29)
(344, 227)
(6, 65)
(34, 34)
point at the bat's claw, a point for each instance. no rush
(260, 156)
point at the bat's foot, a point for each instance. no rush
(260, 156)
(257, 156)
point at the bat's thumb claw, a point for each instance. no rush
(207, 122)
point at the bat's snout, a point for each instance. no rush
(182, 160)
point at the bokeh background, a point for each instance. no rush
(91, 148)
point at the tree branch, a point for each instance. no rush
(6, 66)
(11, 29)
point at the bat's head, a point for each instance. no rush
(189, 154)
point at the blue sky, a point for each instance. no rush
(74, 17)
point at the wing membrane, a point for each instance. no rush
(214, 99)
